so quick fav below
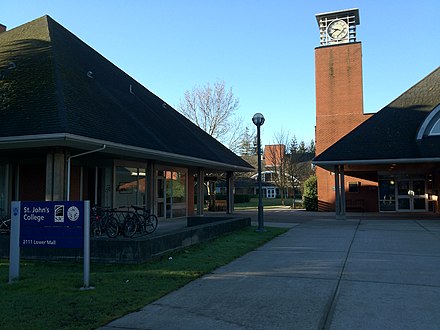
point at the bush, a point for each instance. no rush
(310, 196)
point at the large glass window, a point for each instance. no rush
(387, 195)
(406, 194)
(404, 203)
(176, 203)
(130, 186)
(171, 193)
(160, 194)
(419, 187)
(403, 187)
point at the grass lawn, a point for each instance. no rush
(268, 203)
(47, 296)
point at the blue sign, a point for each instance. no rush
(52, 224)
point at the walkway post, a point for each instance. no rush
(258, 120)
(337, 193)
(343, 206)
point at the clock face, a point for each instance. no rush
(337, 29)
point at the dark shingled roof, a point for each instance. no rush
(391, 134)
(52, 83)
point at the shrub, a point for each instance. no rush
(310, 196)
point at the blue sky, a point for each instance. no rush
(263, 50)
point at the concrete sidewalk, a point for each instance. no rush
(321, 274)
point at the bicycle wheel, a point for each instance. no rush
(95, 229)
(150, 224)
(5, 226)
(130, 226)
(112, 227)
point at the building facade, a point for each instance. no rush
(73, 126)
(385, 162)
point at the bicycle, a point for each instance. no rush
(5, 223)
(139, 220)
(103, 220)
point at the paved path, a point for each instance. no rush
(321, 274)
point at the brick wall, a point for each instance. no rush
(273, 154)
(339, 106)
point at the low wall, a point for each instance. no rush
(201, 220)
(141, 250)
(137, 250)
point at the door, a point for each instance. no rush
(160, 195)
(419, 198)
(411, 195)
(270, 193)
(387, 195)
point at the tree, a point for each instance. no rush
(277, 161)
(312, 147)
(213, 108)
(247, 147)
(298, 166)
(290, 161)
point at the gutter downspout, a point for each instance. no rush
(68, 166)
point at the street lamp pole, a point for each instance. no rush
(258, 120)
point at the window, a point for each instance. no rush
(354, 187)
(435, 130)
(387, 195)
(270, 193)
(175, 194)
(431, 125)
(130, 186)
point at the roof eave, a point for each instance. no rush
(330, 164)
(81, 142)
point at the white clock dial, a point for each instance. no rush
(337, 29)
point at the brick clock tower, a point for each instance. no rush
(339, 95)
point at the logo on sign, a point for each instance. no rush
(59, 213)
(73, 213)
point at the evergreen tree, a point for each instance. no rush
(293, 147)
(247, 144)
(312, 148)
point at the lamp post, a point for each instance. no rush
(258, 120)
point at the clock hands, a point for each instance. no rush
(337, 29)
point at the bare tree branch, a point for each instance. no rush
(213, 109)
(290, 161)
(276, 161)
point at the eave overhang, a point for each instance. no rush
(113, 148)
(329, 165)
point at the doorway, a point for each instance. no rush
(160, 195)
(411, 195)
(403, 195)
(171, 193)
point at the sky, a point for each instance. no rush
(263, 50)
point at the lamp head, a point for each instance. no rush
(258, 119)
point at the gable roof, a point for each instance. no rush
(390, 136)
(56, 90)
